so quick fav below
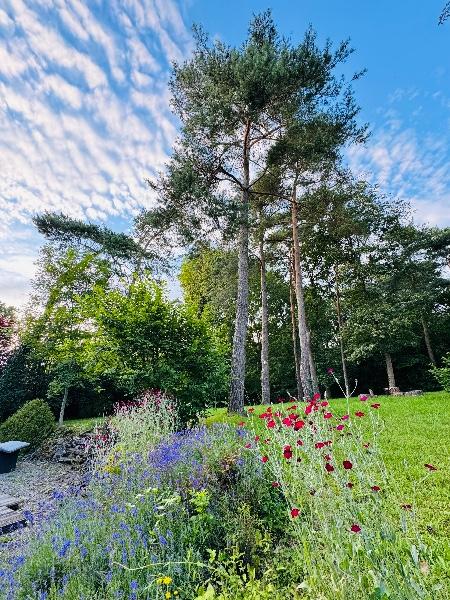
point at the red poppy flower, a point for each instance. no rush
(347, 464)
(430, 467)
(248, 445)
(406, 506)
(271, 423)
(363, 397)
(299, 443)
(340, 427)
(241, 424)
(293, 416)
(295, 512)
(327, 415)
(250, 410)
(350, 484)
(308, 409)
(298, 424)
(293, 407)
(275, 484)
(355, 528)
(264, 415)
(324, 403)
(345, 417)
(257, 438)
(359, 414)
(375, 488)
(286, 421)
(328, 443)
(278, 414)
(319, 445)
(375, 405)
(327, 457)
(316, 397)
(329, 467)
(264, 459)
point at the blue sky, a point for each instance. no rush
(85, 117)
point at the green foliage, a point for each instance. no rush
(442, 374)
(33, 423)
(22, 379)
(144, 341)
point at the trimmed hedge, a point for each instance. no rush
(32, 423)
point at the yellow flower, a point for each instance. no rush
(167, 580)
(168, 595)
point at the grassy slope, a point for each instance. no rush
(417, 431)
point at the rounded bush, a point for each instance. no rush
(33, 423)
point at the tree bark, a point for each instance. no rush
(237, 388)
(341, 340)
(426, 335)
(294, 331)
(390, 371)
(265, 377)
(305, 372)
(63, 406)
(312, 366)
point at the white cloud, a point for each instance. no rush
(75, 135)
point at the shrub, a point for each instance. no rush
(443, 374)
(33, 423)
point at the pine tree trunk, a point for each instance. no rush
(312, 366)
(305, 373)
(426, 335)
(237, 388)
(341, 340)
(390, 371)
(265, 378)
(63, 406)
(294, 332)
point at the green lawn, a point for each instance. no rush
(416, 431)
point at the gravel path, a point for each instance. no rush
(35, 482)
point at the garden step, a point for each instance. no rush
(10, 516)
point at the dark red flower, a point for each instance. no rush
(299, 424)
(293, 407)
(430, 467)
(375, 405)
(366, 445)
(266, 441)
(316, 397)
(359, 414)
(350, 484)
(295, 512)
(287, 452)
(329, 467)
(264, 459)
(248, 445)
(250, 410)
(278, 414)
(330, 371)
(327, 415)
(363, 397)
(347, 464)
(406, 506)
(264, 415)
(355, 528)
(287, 421)
(241, 424)
(340, 427)
(271, 423)
(293, 416)
(319, 445)
(324, 403)
(327, 457)
(375, 488)
(328, 443)
(275, 484)
(345, 417)
(299, 443)
(308, 409)
(257, 438)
